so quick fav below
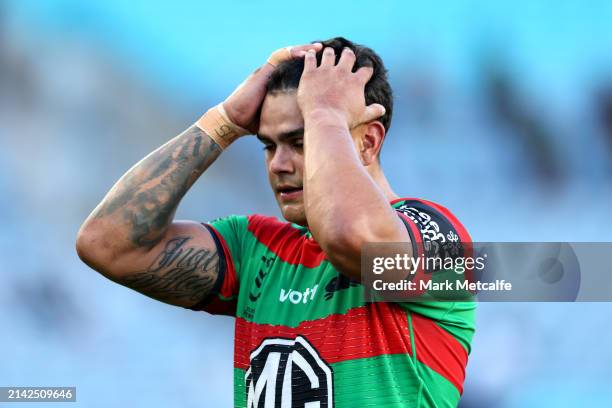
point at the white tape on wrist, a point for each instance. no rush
(216, 124)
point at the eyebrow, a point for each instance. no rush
(283, 136)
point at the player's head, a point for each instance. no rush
(281, 124)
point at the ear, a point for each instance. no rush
(371, 142)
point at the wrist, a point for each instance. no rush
(325, 117)
(217, 125)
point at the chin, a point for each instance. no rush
(294, 214)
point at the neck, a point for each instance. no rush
(379, 177)
(377, 174)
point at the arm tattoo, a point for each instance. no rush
(146, 197)
(179, 274)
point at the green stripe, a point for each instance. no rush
(283, 278)
(388, 381)
(239, 388)
(437, 392)
(457, 318)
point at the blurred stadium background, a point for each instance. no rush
(503, 114)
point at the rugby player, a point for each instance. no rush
(304, 334)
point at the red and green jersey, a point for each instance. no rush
(305, 336)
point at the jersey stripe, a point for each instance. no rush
(343, 337)
(287, 242)
(337, 337)
(439, 350)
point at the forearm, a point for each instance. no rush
(138, 209)
(343, 202)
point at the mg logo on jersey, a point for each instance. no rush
(286, 373)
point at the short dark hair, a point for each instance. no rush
(286, 76)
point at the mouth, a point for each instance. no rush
(288, 193)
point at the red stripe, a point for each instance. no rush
(439, 350)
(287, 242)
(292, 246)
(368, 331)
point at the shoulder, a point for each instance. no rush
(265, 221)
(291, 243)
(249, 222)
(268, 228)
(408, 205)
(429, 216)
(263, 228)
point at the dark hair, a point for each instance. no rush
(286, 76)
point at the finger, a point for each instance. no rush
(365, 73)
(280, 55)
(372, 112)
(310, 61)
(299, 51)
(317, 46)
(347, 59)
(329, 57)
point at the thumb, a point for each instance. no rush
(373, 112)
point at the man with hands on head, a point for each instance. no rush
(305, 336)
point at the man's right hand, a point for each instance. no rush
(242, 106)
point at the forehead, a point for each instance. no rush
(280, 113)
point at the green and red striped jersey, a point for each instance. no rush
(305, 336)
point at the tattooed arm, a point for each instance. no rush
(131, 238)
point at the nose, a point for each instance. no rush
(282, 160)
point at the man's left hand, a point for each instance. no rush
(334, 91)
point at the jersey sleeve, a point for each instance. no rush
(228, 234)
(435, 231)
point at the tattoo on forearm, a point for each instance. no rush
(179, 273)
(146, 197)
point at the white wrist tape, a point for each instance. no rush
(216, 124)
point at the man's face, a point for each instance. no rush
(281, 130)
